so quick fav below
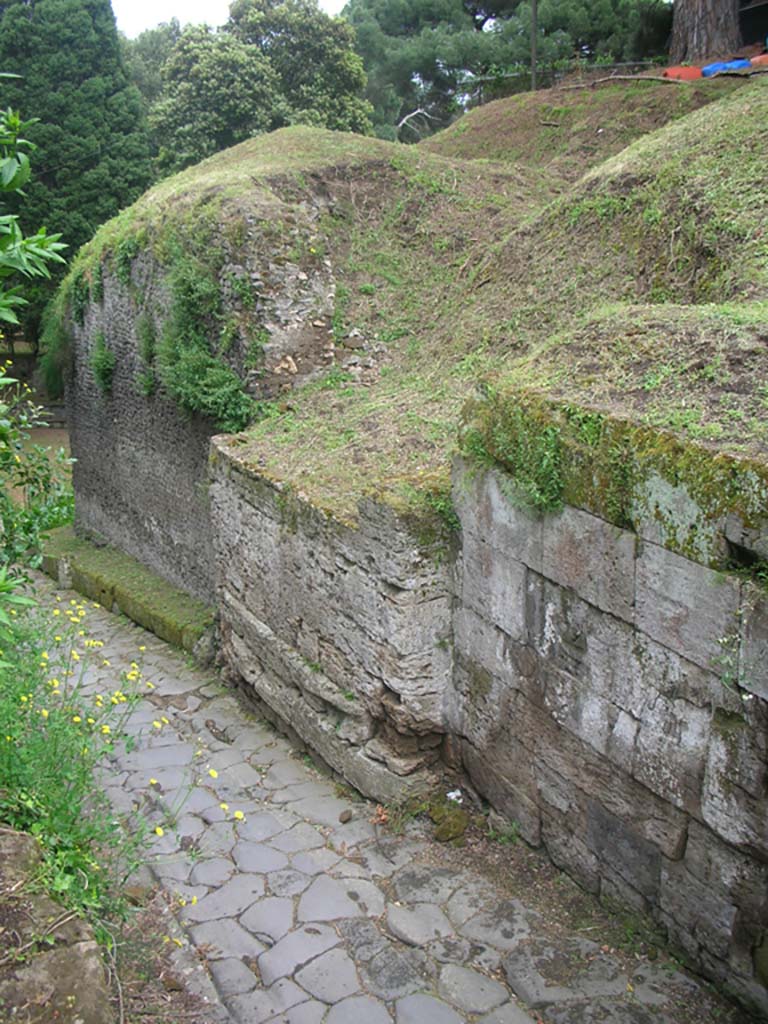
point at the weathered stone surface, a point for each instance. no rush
(753, 655)
(229, 900)
(418, 926)
(392, 973)
(507, 1014)
(504, 927)
(225, 938)
(423, 1009)
(232, 977)
(683, 605)
(264, 1004)
(294, 950)
(271, 917)
(357, 1009)
(326, 900)
(542, 974)
(601, 1011)
(494, 586)
(470, 991)
(330, 977)
(426, 884)
(72, 978)
(592, 558)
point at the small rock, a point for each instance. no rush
(345, 816)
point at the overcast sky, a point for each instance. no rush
(133, 16)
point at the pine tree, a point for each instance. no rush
(93, 155)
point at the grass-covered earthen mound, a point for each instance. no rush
(638, 290)
(568, 130)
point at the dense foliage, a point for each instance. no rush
(424, 54)
(34, 493)
(276, 62)
(92, 147)
(217, 91)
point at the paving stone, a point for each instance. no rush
(425, 884)
(285, 773)
(154, 759)
(450, 950)
(219, 838)
(316, 862)
(243, 775)
(174, 869)
(508, 1014)
(225, 938)
(330, 977)
(232, 977)
(366, 895)
(302, 791)
(601, 1011)
(423, 1009)
(287, 882)
(229, 900)
(189, 827)
(419, 926)
(216, 871)
(542, 974)
(504, 928)
(364, 937)
(311, 1012)
(271, 917)
(354, 833)
(300, 837)
(469, 901)
(470, 991)
(327, 900)
(358, 1009)
(263, 1004)
(257, 857)
(323, 810)
(296, 949)
(393, 973)
(223, 760)
(259, 827)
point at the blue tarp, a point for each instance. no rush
(721, 66)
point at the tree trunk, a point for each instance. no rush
(704, 28)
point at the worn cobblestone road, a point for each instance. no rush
(302, 919)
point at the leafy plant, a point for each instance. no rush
(103, 362)
(53, 735)
(36, 495)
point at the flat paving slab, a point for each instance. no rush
(304, 920)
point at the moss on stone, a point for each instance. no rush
(117, 581)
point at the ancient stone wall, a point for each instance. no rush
(610, 696)
(140, 470)
(341, 631)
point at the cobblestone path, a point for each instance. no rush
(305, 913)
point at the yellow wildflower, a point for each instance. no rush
(213, 773)
(159, 831)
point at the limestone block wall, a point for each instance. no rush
(610, 695)
(341, 631)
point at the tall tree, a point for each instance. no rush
(425, 53)
(704, 28)
(217, 91)
(92, 146)
(321, 76)
(145, 56)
